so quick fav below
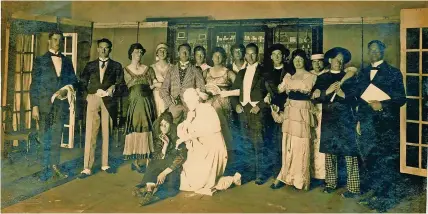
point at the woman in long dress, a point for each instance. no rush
(219, 77)
(160, 69)
(141, 110)
(207, 155)
(298, 121)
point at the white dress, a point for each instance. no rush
(207, 154)
(160, 77)
(298, 121)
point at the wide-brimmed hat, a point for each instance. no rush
(335, 51)
(285, 52)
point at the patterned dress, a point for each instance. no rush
(298, 121)
(140, 115)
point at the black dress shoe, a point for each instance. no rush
(110, 171)
(277, 185)
(259, 181)
(328, 190)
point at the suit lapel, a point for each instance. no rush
(256, 77)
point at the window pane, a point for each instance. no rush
(226, 40)
(425, 38)
(26, 101)
(412, 156)
(17, 102)
(412, 133)
(16, 119)
(425, 98)
(412, 38)
(18, 63)
(412, 60)
(425, 62)
(28, 120)
(424, 157)
(412, 86)
(28, 61)
(17, 81)
(69, 44)
(424, 134)
(26, 81)
(412, 109)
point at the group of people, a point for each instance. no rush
(195, 127)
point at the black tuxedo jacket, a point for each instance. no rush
(45, 82)
(113, 76)
(389, 80)
(258, 87)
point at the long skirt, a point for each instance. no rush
(295, 161)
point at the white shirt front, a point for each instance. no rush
(57, 61)
(103, 70)
(374, 72)
(248, 81)
(236, 69)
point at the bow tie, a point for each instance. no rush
(56, 55)
(374, 68)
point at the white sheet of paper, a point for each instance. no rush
(374, 93)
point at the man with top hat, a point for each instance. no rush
(180, 77)
(275, 72)
(101, 79)
(53, 78)
(379, 127)
(252, 110)
(337, 93)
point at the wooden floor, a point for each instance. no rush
(110, 193)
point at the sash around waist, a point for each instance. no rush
(294, 95)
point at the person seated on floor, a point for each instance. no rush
(162, 177)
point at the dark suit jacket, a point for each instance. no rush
(45, 82)
(389, 80)
(380, 130)
(113, 76)
(258, 87)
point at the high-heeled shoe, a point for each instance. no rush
(277, 185)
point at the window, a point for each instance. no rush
(24, 65)
(414, 116)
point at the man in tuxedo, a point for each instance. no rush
(52, 78)
(180, 77)
(100, 79)
(379, 129)
(251, 109)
